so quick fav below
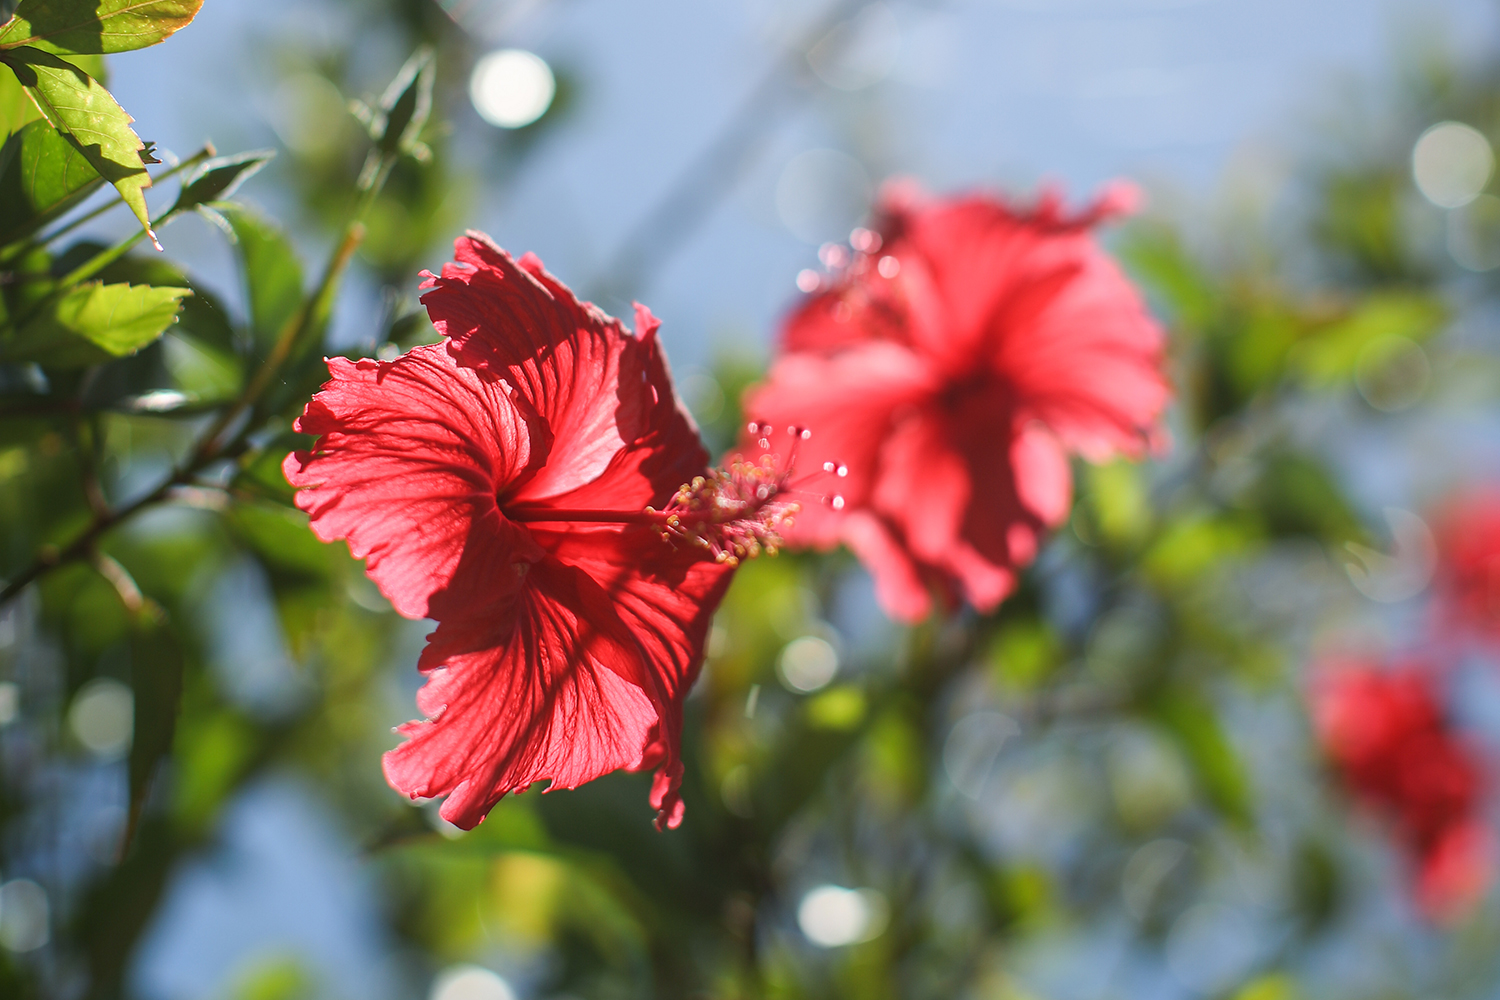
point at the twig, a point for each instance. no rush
(119, 578)
(713, 173)
(203, 154)
(213, 440)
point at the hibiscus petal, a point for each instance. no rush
(408, 461)
(578, 368)
(1044, 483)
(923, 484)
(1089, 362)
(926, 490)
(898, 586)
(666, 597)
(849, 400)
(555, 690)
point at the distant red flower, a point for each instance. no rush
(504, 485)
(946, 368)
(1468, 580)
(1385, 733)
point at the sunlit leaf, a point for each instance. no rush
(95, 322)
(204, 318)
(1023, 654)
(96, 26)
(1331, 354)
(76, 103)
(42, 175)
(1193, 545)
(16, 109)
(1120, 503)
(839, 708)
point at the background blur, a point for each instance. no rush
(1108, 789)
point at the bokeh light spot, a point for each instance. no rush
(1392, 373)
(808, 663)
(511, 87)
(1474, 234)
(23, 915)
(1451, 164)
(103, 716)
(821, 193)
(1210, 947)
(10, 702)
(831, 916)
(470, 982)
(973, 747)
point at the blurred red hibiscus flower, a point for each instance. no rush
(516, 484)
(1468, 576)
(1385, 733)
(946, 367)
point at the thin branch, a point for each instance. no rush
(713, 173)
(119, 578)
(216, 438)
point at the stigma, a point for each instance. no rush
(734, 513)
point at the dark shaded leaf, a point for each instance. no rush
(271, 270)
(1191, 721)
(220, 177)
(156, 682)
(42, 176)
(261, 473)
(75, 103)
(405, 107)
(279, 536)
(96, 26)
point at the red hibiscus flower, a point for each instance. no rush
(946, 369)
(1385, 733)
(517, 484)
(1468, 580)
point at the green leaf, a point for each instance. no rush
(261, 470)
(1154, 253)
(95, 322)
(1192, 722)
(272, 272)
(1330, 355)
(75, 103)
(96, 26)
(156, 682)
(1195, 544)
(16, 109)
(405, 107)
(279, 536)
(42, 176)
(219, 178)
(203, 318)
